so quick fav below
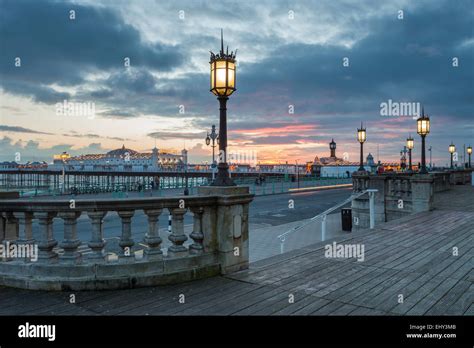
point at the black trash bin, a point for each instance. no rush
(346, 216)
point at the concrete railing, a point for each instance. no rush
(219, 241)
(400, 194)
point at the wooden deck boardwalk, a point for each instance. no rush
(412, 257)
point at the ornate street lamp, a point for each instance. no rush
(223, 85)
(423, 128)
(410, 146)
(469, 151)
(212, 137)
(361, 137)
(452, 149)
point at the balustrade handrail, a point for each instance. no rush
(326, 212)
(139, 203)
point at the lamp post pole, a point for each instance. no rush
(211, 141)
(429, 149)
(222, 178)
(186, 189)
(423, 156)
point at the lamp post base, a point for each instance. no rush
(222, 178)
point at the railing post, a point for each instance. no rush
(177, 236)
(47, 241)
(371, 193)
(126, 241)
(323, 228)
(152, 238)
(2, 228)
(97, 242)
(70, 242)
(197, 236)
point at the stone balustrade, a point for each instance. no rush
(400, 194)
(217, 244)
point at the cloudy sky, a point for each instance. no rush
(291, 56)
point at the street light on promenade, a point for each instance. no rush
(469, 151)
(213, 137)
(64, 156)
(361, 137)
(423, 129)
(223, 85)
(452, 149)
(410, 146)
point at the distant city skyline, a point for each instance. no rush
(308, 72)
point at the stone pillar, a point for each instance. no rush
(379, 183)
(231, 225)
(97, 242)
(70, 242)
(422, 193)
(177, 236)
(152, 238)
(126, 241)
(197, 236)
(47, 241)
(360, 206)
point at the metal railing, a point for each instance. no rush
(323, 216)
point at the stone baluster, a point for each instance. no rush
(177, 236)
(26, 237)
(47, 241)
(26, 220)
(70, 242)
(97, 242)
(197, 236)
(152, 238)
(11, 228)
(126, 241)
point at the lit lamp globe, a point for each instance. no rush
(410, 143)
(452, 149)
(222, 72)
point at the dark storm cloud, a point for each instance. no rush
(55, 49)
(402, 60)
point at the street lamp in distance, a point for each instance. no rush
(361, 138)
(452, 150)
(410, 146)
(469, 152)
(423, 129)
(213, 137)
